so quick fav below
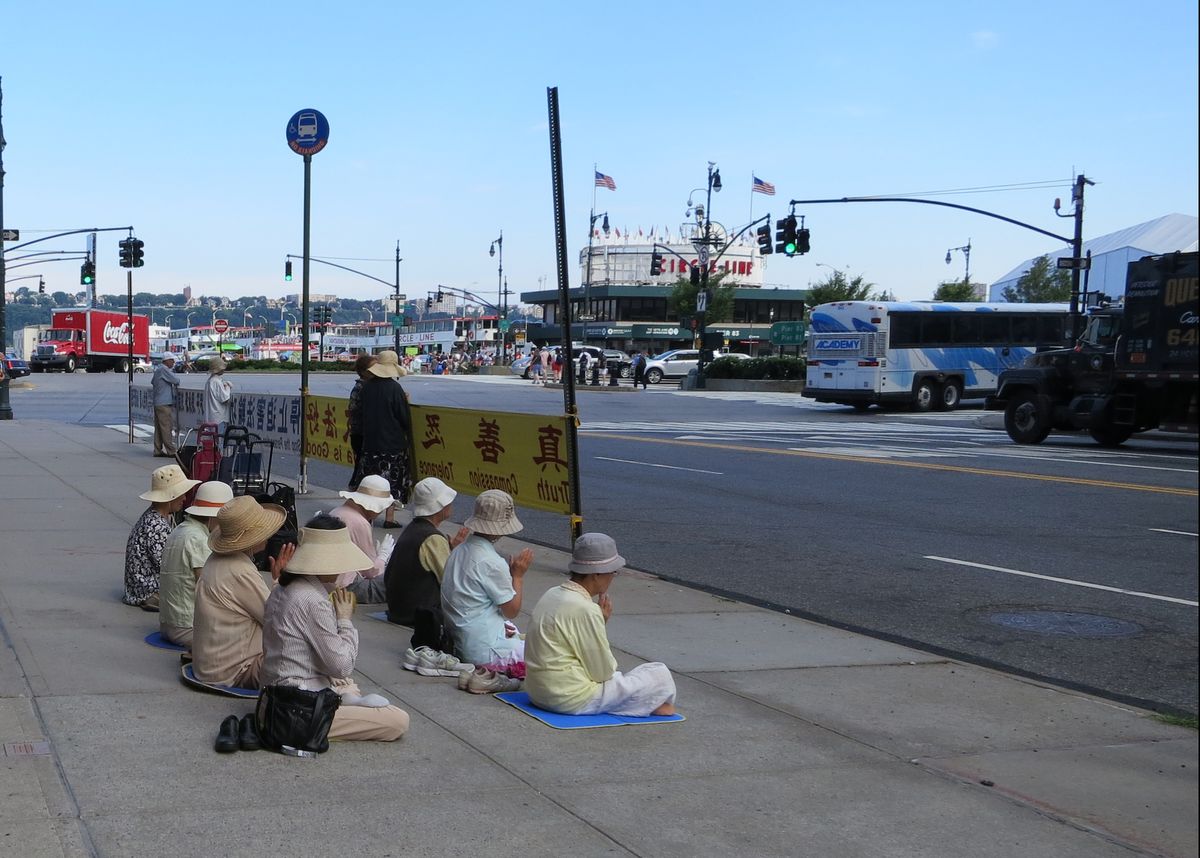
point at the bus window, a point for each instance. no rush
(1024, 329)
(996, 329)
(968, 330)
(906, 330)
(935, 330)
(1052, 330)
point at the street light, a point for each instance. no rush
(966, 252)
(704, 242)
(503, 293)
(587, 280)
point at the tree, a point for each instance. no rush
(955, 290)
(61, 299)
(838, 287)
(1040, 284)
(682, 299)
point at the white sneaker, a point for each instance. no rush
(434, 663)
(412, 658)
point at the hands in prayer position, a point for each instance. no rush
(343, 604)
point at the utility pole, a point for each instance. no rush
(6, 412)
(714, 181)
(396, 314)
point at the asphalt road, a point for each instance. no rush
(1063, 561)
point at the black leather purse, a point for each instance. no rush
(296, 718)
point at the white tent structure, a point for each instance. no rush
(1112, 253)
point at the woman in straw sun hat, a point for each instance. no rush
(309, 640)
(144, 548)
(231, 594)
(387, 429)
(184, 556)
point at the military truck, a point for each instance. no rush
(1134, 368)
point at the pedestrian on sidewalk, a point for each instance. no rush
(387, 430)
(144, 548)
(481, 591)
(163, 386)
(231, 594)
(639, 370)
(184, 555)
(360, 510)
(309, 641)
(354, 416)
(569, 665)
(418, 563)
(217, 393)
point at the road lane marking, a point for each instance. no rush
(900, 463)
(1070, 581)
(1176, 532)
(655, 465)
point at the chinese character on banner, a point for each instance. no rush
(330, 422)
(488, 442)
(260, 413)
(271, 417)
(294, 416)
(433, 432)
(312, 417)
(346, 424)
(549, 441)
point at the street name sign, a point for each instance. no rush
(788, 333)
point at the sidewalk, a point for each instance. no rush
(800, 740)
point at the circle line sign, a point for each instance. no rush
(307, 132)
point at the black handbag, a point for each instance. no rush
(296, 718)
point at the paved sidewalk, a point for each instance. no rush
(800, 740)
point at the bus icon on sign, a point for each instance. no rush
(306, 126)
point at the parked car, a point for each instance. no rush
(14, 366)
(677, 363)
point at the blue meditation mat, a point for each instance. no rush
(379, 615)
(520, 700)
(155, 639)
(228, 690)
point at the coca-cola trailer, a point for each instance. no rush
(95, 340)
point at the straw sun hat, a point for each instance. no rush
(210, 497)
(387, 365)
(243, 523)
(327, 552)
(168, 483)
(495, 514)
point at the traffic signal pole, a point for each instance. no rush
(6, 412)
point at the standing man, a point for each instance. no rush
(639, 369)
(217, 393)
(163, 385)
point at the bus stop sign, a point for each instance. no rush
(307, 132)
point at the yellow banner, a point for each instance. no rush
(522, 454)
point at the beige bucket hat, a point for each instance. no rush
(168, 483)
(595, 554)
(430, 496)
(243, 523)
(387, 365)
(210, 497)
(495, 514)
(374, 494)
(216, 366)
(327, 552)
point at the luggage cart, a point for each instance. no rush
(246, 461)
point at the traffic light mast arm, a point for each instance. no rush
(40, 261)
(658, 246)
(68, 232)
(739, 234)
(343, 267)
(934, 203)
(464, 293)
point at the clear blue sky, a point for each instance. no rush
(171, 117)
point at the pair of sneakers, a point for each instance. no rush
(484, 681)
(428, 661)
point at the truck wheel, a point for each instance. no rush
(924, 396)
(1027, 418)
(951, 396)
(861, 407)
(1108, 435)
(654, 375)
(121, 367)
(70, 367)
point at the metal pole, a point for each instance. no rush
(6, 412)
(302, 480)
(1077, 252)
(396, 314)
(587, 285)
(560, 250)
(704, 281)
(129, 314)
(500, 289)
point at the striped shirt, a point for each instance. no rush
(305, 645)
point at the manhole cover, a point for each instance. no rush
(1066, 623)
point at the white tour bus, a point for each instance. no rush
(926, 355)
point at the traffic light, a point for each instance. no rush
(802, 241)
(695, 274)
(126, 253)
(764, 240)
(87, 273)
(439, 295)
(786, 235)
(428, 304)
(41, 287)
(135, 247)
(656, 261)
(287, 270)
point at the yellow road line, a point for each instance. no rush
(925, 466)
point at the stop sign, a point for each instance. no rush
(220, 326)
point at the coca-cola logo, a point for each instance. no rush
(116, 334)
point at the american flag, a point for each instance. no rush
(761, 187)
(603, 181)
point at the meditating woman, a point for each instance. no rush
(144, 548)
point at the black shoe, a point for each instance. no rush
(227, 736)
(248, 734)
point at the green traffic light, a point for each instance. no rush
(790, 248)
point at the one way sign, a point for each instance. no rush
(12, 235)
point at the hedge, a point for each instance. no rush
(775, 368)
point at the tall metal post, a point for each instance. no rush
(498, 245)
(129, 321)
(302, 480)
(707, 240)
(6, 412)
(396, 309)
(1081, 181)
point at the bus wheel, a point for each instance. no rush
(924, 396)
(951, 396)
(1027, 418)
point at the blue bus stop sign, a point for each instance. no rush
(307, 132)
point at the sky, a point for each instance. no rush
(171, 117)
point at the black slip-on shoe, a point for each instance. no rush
(227, 736)
(248, 734)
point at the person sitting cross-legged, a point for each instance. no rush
(184, 555)
(569, 666)
(363, 505)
